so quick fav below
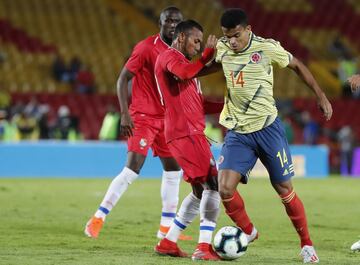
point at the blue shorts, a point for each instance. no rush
(240, 152)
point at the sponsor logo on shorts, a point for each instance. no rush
(220, 160)
(143, 143)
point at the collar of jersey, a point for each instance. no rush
(159, 38)
(248, 45)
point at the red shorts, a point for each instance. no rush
(148, 132)
(195, 158)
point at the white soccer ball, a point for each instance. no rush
(230, 242)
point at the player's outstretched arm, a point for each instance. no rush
(184, 70)
(126, 123)
(211, 68)
(354, 82)
(303, 72)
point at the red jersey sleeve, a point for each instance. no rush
(184, 69)
(136, 60)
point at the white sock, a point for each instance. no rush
(189, 209)
(170, 196)
(209, 212)
(116, 189)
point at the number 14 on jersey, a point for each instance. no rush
(237, 79)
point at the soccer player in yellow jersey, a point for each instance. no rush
(254, 130)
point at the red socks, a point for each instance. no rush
(296, 212)
(235, 209)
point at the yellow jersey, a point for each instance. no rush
(249, 102)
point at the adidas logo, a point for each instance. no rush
(286, 172)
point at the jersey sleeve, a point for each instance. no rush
(136, 60)
(279, 55)
(182, 69)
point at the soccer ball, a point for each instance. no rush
(230, 242)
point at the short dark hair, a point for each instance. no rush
(170, 9)
(186, 26)
(233, 17)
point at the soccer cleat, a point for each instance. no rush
(253, 236)
(168, 248)
(355, 246)
(93, 227)
(163, 231)
(309, 255)
(205, 251)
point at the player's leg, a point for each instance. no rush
(296, 212)
(294, 209)
(209, 212)
(169, 185)
(234, 204)
(115, 190)
(233, 169)
(169, 193)
(120, 183)
(188, 210)
(275, 155)
(210, 201)
(138, 146)
(193, 155)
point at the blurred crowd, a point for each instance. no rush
(347, 65)
(31, 121)
(78, 75)
(37, 121)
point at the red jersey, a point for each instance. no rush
(183, 100)
(145, 95)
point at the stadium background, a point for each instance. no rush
(95, 37)
(58, 135)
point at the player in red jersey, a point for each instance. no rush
(143, 123)
(184, 133)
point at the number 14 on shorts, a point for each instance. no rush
(282, 158)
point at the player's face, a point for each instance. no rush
(168, 22)
(237, 37)
(192, 44)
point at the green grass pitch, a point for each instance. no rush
(42, 222)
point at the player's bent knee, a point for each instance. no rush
(135, 161)
(226, 192)
(283, 188)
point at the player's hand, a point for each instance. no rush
(126, 125)
(325, 106)
(354, 82)
(210, 50)
(211, 42)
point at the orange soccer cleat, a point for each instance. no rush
(93, 227)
